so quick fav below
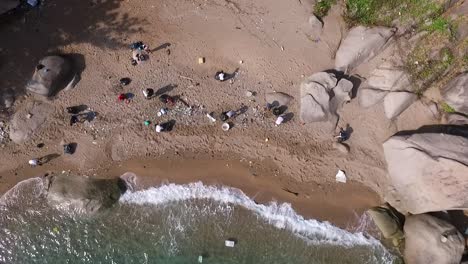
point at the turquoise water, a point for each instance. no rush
(173, 224)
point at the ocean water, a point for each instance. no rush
(174, 224)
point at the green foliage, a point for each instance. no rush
(425, 67)
(439, 24)
(322, 7)
(384, 12)
(447, 108)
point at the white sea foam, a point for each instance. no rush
(280, 215)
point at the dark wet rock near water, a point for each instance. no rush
(84, 194)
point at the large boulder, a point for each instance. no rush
(428, 171)
(28, 119)
(84, 194)
(390, 84)
(397, 102)
(315, 97)
(7, 5)
(431, 240)
(360, 45)
(322, 95)
(388, 223)
(52, 74)
(455, 93)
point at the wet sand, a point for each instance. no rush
(340, 204)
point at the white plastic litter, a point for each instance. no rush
(200, 259)
(225, 127)
(279, 120)
(33, 162)
(340, 176)
(231, 113)
(229, 243)
(212, 119)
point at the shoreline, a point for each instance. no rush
(339, 204)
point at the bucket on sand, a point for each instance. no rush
(225, 126)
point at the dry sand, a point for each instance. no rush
(272, 41)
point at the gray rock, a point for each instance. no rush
(8, 100)
(455, 93)
(84, 194)
(368, 97)
(7, 5)
(315, 97)
(389, 78)
(342, 94)
(427, 172)
(322, 97)
(52, 74)
(397, 102)
(456, 119)
(388, 223)
(279, 97)
(311, 110)
(315, 26)
(360, 45)
(431, 240)
(22, 127)
(343, 148)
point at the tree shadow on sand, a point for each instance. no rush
(30, 35)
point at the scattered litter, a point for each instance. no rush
(147, 122)
(267, 139)
(28, 116)
(226, 115)
(241, 62)
(201, 60)
(125, 81)
(162, 111)
(340, 176)
(225, 126)
(279, 120)
(210, 116)
(229, 243)
(282, 48)
(249, 94)
(186, 78)
(200, 259)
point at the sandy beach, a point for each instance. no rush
(269, 48)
